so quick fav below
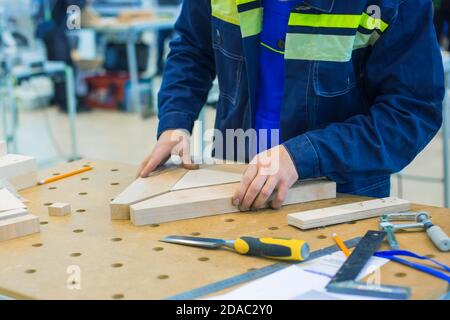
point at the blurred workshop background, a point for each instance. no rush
(78, 79)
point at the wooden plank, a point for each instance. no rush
(213, 200)
(19, 170)
(13, 213)
(18, 227)
(346, 213)
(143, 189)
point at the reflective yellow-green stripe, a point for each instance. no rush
(337, 21)
(251, 22)
(319, 47)
(225, 10)
(324, 20)
(364, 40)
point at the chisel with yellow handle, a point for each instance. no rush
(272, 248)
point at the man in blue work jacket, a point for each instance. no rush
(355, 88)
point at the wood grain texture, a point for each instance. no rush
(346, 213)
(154, 270)
(18, 226)
(143, 189)
(206, 177)
(213, 200)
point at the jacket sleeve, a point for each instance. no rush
(189, 70)
(404, 74)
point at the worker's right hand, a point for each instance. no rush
(170, 142)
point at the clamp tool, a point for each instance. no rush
(421, 221)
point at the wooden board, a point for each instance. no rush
(8, 201)
(59, 209)
(346, 213)
(212, 200)
(143, 189)
(117, 260)
(18, 226)
(19, 170)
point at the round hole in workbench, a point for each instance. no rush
(195, 233)
(56, 174)
(400, 274)
(87, 165)
(321, 236)
(158, 249)
(78, 230)
(81, 210)
(116, 239)
(118, 296)
(75, 254)
(43, 222)
(163, 277)
(431, 256)
(351, 222)
(154, 225)
(83, 193)
(273, 228)
(48, 204)
(115, 184)
(229, 220)
(52, 188)
(114, 170)
(37, 245)
(84, 179)
(251, 269)
(203, 259)
(117, 265)
(30, 271)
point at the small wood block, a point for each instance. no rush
(346, 213)
(143, 189)
(212, 200)
(59, 209)
(18, 226)
(3, 149)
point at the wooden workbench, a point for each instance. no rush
(120, 261)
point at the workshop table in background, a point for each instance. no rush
(49, 68)
(132, 32)
(117, 260)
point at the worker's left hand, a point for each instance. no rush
(270, 172)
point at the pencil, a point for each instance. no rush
(341, 244)
(64, 175)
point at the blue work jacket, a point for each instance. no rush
(363, 90)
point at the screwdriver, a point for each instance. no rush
(272, 248)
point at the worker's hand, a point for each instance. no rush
(270, 172)
(170, 142)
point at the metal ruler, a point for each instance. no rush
(255, 274)
(345, 279)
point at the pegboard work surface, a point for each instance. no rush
(85, 255)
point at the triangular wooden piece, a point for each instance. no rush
(207, 177)
(212, 200)
(143, 189)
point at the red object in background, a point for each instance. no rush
(107, 91)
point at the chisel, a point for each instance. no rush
(272, 248)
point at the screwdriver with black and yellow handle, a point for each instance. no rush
(272, 248)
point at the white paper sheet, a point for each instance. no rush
(305, 281)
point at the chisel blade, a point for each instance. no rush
(210, 243)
